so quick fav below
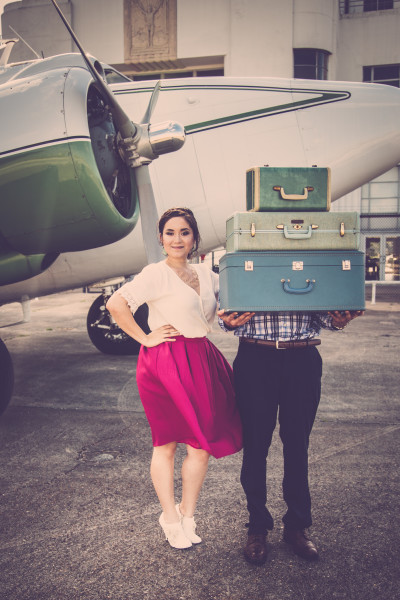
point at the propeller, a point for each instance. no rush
(152, 104)
(139, 144)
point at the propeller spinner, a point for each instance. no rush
(138, 144)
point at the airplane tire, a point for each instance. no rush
(107, 337)
(6, 377)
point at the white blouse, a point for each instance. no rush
(173, 302)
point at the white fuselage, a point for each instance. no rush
(232, 125)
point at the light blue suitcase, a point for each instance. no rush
(292, 281)
(293, 231)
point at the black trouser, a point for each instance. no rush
(266, 380)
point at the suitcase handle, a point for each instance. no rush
(290, 290)
(296, 234)
(284, 196)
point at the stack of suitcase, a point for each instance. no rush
(287, 252)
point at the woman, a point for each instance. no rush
(184, 382)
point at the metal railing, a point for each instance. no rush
(386, 294)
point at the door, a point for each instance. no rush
(392, 259)
(372, 258)
(382, 258)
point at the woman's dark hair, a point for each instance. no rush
(189, 217)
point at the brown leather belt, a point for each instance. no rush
(279, 345)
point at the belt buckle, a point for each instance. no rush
(277, 345)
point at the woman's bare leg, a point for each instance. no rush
(162, 475)
(194, 469)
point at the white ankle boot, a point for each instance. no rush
(188, 526)
(174, 534)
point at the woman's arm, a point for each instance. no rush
(121, 313)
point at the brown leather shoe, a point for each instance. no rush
(255, 551)
(301, 543)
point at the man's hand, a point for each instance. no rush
(341, 318)
(234, 319)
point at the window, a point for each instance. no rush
(310, 63)
(176, 74)
(381, 196)
(388, 74)
(200, 66)
(370, 5)
(349, 7)
(113, 76)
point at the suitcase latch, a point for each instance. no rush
(253, 230)
(346, 265)
(248, 265)
(297, 224)
(341, 229)
(297, 265)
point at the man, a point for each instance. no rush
(278, 372)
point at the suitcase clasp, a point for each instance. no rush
(297, 265)
(253, 230)
(248, 265)
(346, 265)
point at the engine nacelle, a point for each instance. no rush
(16, 267)
(63, 184)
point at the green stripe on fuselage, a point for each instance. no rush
(319, 97)
(264, 112)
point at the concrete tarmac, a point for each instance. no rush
(79, 517)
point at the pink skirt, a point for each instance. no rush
(186, 388)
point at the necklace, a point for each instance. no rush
(189, 276)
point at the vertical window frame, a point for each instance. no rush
(318, 67)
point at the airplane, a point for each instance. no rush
(228, 125)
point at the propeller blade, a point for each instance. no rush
(140, 144)
(148, 215)
(152, 103)
(123, 122)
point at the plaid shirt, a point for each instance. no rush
(283, 326)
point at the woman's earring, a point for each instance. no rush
(163, 251)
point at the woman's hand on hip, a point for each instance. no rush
(166, 333)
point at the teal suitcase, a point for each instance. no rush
(288, 189)
(293, 231)
(292, 281)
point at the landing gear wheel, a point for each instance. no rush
(6, 377)
(106, 335)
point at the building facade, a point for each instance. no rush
(343, 40)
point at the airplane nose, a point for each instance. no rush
(161, 138)
(166, 137)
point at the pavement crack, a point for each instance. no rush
(345, 447)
